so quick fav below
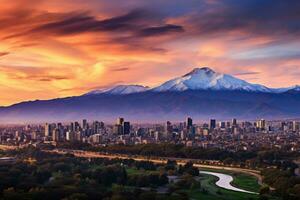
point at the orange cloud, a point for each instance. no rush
(57, 48)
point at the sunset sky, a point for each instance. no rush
(55, 48)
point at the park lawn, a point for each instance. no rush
(246, 182)
(135, 171)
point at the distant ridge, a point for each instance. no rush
(202, 93)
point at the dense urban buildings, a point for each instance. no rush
(232, 135)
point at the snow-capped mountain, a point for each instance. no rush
(202, 93)
(121, 89)
(207, 79)
(198, 79)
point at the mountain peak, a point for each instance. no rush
(198, 70)
(121, 89)
(127, 89)
(207, 79)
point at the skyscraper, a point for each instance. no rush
(212, 124)
(261, 124)
(72, 127)
(295, 126)
(120, 121)
(84, 124)
(126, 127)
(47, 130)
(189, 123)
(56, 135)
(169, 129)
(70, 136)
(77, 126)
(234, 122)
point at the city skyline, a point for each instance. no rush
(69, 48)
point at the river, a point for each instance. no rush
(224, 182)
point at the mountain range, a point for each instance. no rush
(201, 93)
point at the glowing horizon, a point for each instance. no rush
(53, 49)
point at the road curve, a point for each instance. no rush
(224, 182)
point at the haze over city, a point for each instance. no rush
(56, 48)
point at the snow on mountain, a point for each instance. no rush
(207, 79)
(121, 89)
(198, 79)
(286, 89)
(296, 88)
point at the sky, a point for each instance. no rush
(57, 48)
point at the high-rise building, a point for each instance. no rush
(295, 126)
(84, 124)
(70, 136)
(77, 126)
(234, 122)
(120, 120)
(47, 130)
(126, 127)
(261, 124)
(212, 124)
(222, 125)
(169, 129)
(189, 123)
(56, 135)
(72, 127)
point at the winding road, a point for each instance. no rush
(224, 182)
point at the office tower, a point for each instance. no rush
(72, 127)
(95, 127)
(212, 124)
(84, 124)
(261, 124)
(191, 132)
(222, 125)
(234, 122)
(120, 120)
(169, 127)
(228, 124)
(47, 130)
(126, 127)
(70, 136)
(295, 126)
(157, 136)
(283, 124)
(55, 135)
(77, 126)
(189, 123)
(59, 125)
(101, 125)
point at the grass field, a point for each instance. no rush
(133, 171)
(246, 182)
